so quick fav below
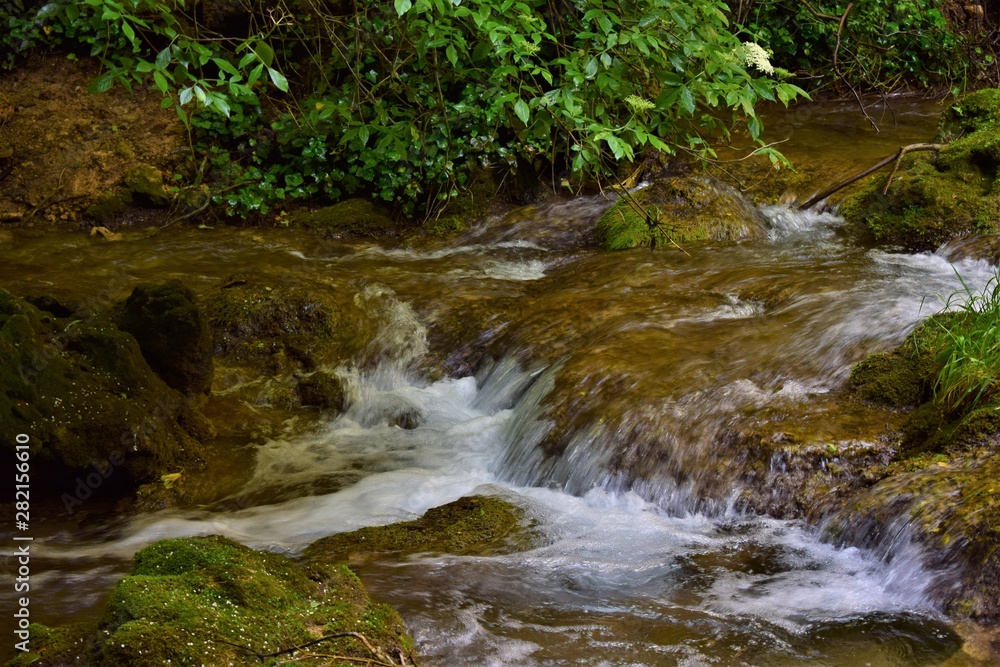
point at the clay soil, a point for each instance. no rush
(62, 148)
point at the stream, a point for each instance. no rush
(604, 393)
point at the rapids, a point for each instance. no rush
(601, 391)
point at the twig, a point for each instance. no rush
(379, 657)
(903, 150)
(45, 202)
(899, 158)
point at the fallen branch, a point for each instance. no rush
(884, 162)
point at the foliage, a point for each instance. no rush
(402, 102)
(884, 44)
(966, 346)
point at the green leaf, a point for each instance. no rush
(167, 103)
(264, 53)
(163, 58)
(452, 55)
(102, 84)
(403, 6)
(185, 95)
(278, 79)
(687, 100)
(591, 69)
(255, 74)
(522, 111)
(161, 81)
(225, 66)
(129, 31)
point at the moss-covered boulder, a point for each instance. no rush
(351, 217)
(681, 209)
(172, 333)
(87, 397)
(212, 601)
(322, 390)
(941, 195)
(478, 525)
(145, 185)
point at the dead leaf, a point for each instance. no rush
(106, 233)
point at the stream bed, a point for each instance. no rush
(595, 395)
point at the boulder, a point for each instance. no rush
(86, 396)
(173, 334)
(209, 600)
(679, 209)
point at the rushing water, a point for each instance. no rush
(605, 384)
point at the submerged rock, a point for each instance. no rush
(938, 196)
(173, 334)
(209, 600)
(475, 525)
(679, 210)
(351, 217)
(87, 397)
(145, 184)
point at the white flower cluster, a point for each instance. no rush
(756, 56)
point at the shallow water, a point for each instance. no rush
(605, 384)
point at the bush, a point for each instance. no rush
(402, 102)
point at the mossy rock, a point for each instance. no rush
(109, 206)
(84, 392)
(56, 647)
(209, 600)
(951, 508)
(897, 379)
(173, 334)
(936, 197)
(145, 183)
(351, 217)
(475, 525)
(975, 112)
(684, 209)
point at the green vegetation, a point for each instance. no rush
(404, 101)
(209, 600)
(881, 44)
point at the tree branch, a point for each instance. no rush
(895, 157)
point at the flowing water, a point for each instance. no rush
(611, 395)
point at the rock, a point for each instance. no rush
(950, 508)
(406, 418)
(686, 209)
(984, 247)
(351, 217)
(109, 206)
(173, 334)
(209, 600)
(145, 183)
(322, 390)
(87, 397)
(939, 196)
(479, 525)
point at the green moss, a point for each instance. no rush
(85, 392)
(212, 601)
(56, 647)
(109, 206)
(975, 112)
(897, 379)
(678, 210)
(351, 217)
(475, 525)
(145, 182)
